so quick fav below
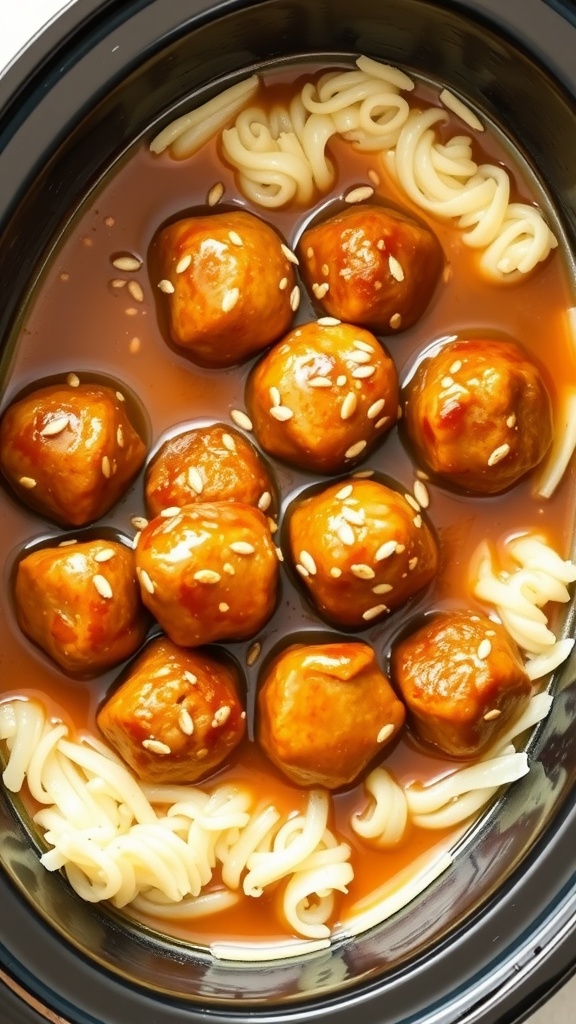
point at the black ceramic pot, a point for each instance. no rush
(496, 933)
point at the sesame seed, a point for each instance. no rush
(215, 194)
(230, 299)
(417, 521)
(118, 282)
(484, 648)
(320, 290)
(272, 526)
(281, 413)
(345, 492)
(183, 263)
(400, 548)
(185, 722)
(412, 502)
(73, 380)
(345, 534)
(28, 482)
(283, 284)
(363, 346)
(498, 454)
(302, 570)
(104, 555)
(385, 733)
(127, 263)
(221, 715)
(412, 563)
(362, 571)
(170, 511)
(490, 715)
(156, 747)
(341, 380)
(372, 613)
(235, 238)
(241, 419)
(229, 442)
(120, 436)
(357, 517)
(136, 291)
(102, 586)
(381, 422)
(223, 607)
(207, 576)
(385, 550)
(456, 366)
(67, 543)
(275, 397)
(375, 408)
(335, 572)
(242, 547)
(264, 501)
(294, 298)
(290, 256)
(355, 450)
(309, 252)
(308, 562)
(395, 268)
(194, 478)
(374, 176)
(138, 522)
(382, 588)
(363, 474)
(120, 396)
(55, 426)
(135, 540)
(328, 321)
(361, 372)
(106, 467)
(320, 382)
(192, 679)
(511, 421)
(166, 286)
(358, 195)
(229, 569)
(201, 754)
(325, 269)
(348, 407)
(448, 382)
(421, 494)
(279, 554)
(253, 653)
(359, 357)
(395, 321)
(146, 582)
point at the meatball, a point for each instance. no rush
(478, 414)
(177, 714)
(229, 285)
(80, 602)
(214, 463)
(208, 572)
(371, 265)
(323, 396)
(462, 679)
(362, 549)
(325, 711)
(70, 451)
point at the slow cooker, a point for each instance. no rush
(494, 935)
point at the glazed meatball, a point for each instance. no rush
(371, 265)
(323, 396)
(478, 414)
(362, 549)
(70, 451)
(208, 572)
(228, 281)
(325, 711)
(177, 714)
(462, 679)
(214, 463)
(80, 602)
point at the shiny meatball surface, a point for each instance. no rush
(478, 414)
(361, 550)
(323, 396)
(70, 451)
(462, 679)
(177, 715)
(81, 604)
(227, 279)
(212, 463)
(325, 711)
(371, 265)
(208, 572)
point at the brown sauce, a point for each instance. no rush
(78, 321)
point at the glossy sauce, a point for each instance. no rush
(78, 321)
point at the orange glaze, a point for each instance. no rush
(77, 321)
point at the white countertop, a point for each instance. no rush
(21, 20)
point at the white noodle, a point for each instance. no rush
(190, 129)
